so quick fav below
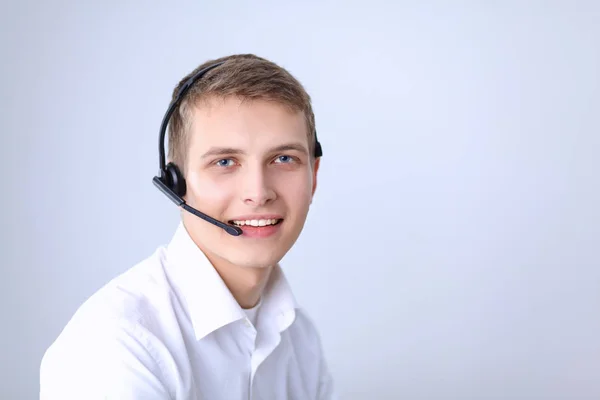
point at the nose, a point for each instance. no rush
(256, 187)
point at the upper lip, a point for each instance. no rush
(256, 217)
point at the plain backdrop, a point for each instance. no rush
(452, 249)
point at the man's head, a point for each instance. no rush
(244, 139)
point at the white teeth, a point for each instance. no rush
(256, 222)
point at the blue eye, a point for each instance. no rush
(284, 159)
(226, 162)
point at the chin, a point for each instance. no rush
(256, 265)
(246, 260)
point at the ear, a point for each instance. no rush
(315, 172)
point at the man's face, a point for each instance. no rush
(248, 163)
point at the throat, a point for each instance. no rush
(245, 284)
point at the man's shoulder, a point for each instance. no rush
(132, 295)
(305, 331)
(304, 321)
(305, 338)
(129, 300)
(111, 338)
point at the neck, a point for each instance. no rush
(245, 284)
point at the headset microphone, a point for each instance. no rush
(232, 230)
(170, 180)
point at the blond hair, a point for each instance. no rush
(245, 76)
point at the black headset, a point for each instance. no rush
(170, 180)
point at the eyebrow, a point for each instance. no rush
(222, 151)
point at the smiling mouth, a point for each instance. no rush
(256, 222)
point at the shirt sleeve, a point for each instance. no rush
(326, 384)
(108, 362)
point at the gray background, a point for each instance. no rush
(452, 248)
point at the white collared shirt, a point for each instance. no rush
(170, 329)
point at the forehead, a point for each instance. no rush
(249, 124)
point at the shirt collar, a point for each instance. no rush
(209, 302)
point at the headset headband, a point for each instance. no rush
(175, 102)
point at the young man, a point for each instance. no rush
(211, 316)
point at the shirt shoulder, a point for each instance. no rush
(110, 345)
(306, 337)
(304, 324)
(132, 296)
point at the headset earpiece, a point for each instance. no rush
(170, 180)
(318, 148)
(175, 180)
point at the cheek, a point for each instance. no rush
(296, 189)
(206, 190)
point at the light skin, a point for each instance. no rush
(247, 158)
